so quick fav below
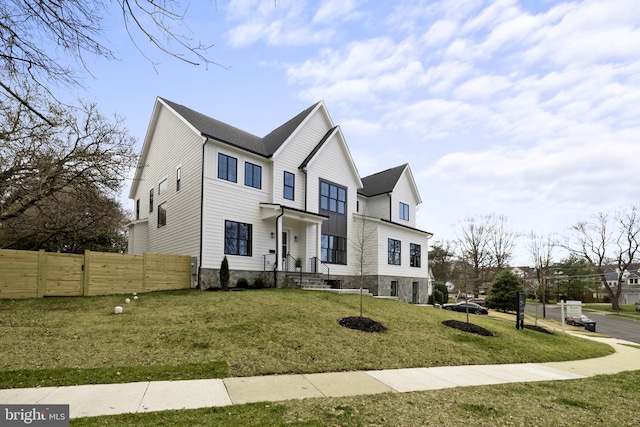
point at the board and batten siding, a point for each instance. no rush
(173, 144)
(388, 231)
(224, 200)
(293, 154)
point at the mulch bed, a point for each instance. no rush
(468, 327)
(362, 324)
(538, 329)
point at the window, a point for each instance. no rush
(394, 252)
(414, 255)
(333, 249)
(178, 177)
(252, 175)
(289, 185)
(333, 198)
(394, 288)
(237, 238)
(162, 186)
(151, 200)
(227, 167)
(404, 211)
(162, 214)
(138, 209)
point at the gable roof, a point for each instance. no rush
(227, 134)
(381, 182)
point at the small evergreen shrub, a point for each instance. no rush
(258, 283)
(242, 283)
(224, 274)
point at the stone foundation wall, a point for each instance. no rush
(210, 278)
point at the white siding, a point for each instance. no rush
(403, 192)
(406, 237)
(225, 200)
(378, 207)
(172, 144)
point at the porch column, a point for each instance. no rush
(279, 243)
(318, 241)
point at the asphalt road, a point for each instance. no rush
(606, 324)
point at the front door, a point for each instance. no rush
(416, 297)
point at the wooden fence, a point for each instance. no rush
(25, 274)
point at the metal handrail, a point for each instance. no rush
(266, 263)
(315, 262)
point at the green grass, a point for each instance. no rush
(628, 310)
(540, 404)
(252, 333)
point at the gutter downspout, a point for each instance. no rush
(390, 207)
(306, 185)
(201, 209)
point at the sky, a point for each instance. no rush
(528, 109)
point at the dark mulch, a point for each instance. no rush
(468, 327)
(538, 329)
(362, 324)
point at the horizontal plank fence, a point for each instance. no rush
(25, 274)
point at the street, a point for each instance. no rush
(606, 324)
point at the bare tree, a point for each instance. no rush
(442, 261)
(361, 244)
(72, 148)
(540, 249)
(502, 241)
(474, 236)
(608, 242)
(28, 28)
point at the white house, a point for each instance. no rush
(208, 190)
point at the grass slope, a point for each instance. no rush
(253, 333)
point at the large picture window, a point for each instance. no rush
(237, 238)
(227, 167)
(333, 249)
(404, 211)
(414, 255)
(394, 251)
(333, 198)
(252, 175)
(289, 185)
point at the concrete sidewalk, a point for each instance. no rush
(111, 399)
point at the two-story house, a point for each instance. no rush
(207, 189)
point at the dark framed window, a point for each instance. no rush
(289, 185)
(151, 200)
(162, 214)
(237, 238)
(333, 197)
(162, 186)
(414, 255)
(252, 175)
(227, 168)
(404, 211)
(138, 209)
(394, 251)
(333, 249)
(178, 177)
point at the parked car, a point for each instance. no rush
(462, 307)
(479, 301)
(578, 321)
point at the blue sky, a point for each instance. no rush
(529, 109)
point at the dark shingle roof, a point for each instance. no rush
(228, 134)
(381, 182)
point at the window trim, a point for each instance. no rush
(166, 186)
(329, 199)
(237, 239)
(253, 167)
(162, 214)
(226, 158)
(404, 211)
(392, 259)
(285, 186)
(338, 250)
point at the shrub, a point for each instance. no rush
(444, 291)
(242, 283)
(224, 274)
(504, 292)
(436, 297)
(258, 283)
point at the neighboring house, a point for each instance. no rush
(529, 278)
(630, 293)
(206, 189)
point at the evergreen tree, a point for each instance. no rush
(224, 274)
(504, 292)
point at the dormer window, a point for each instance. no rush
(404, 211)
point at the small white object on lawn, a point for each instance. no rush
(118, 310)
(127, 300)
(135, 297)
(135, 293)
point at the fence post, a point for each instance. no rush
(86, 276)
(42, 273)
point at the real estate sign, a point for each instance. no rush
(574, 308)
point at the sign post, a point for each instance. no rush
(522, 301)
